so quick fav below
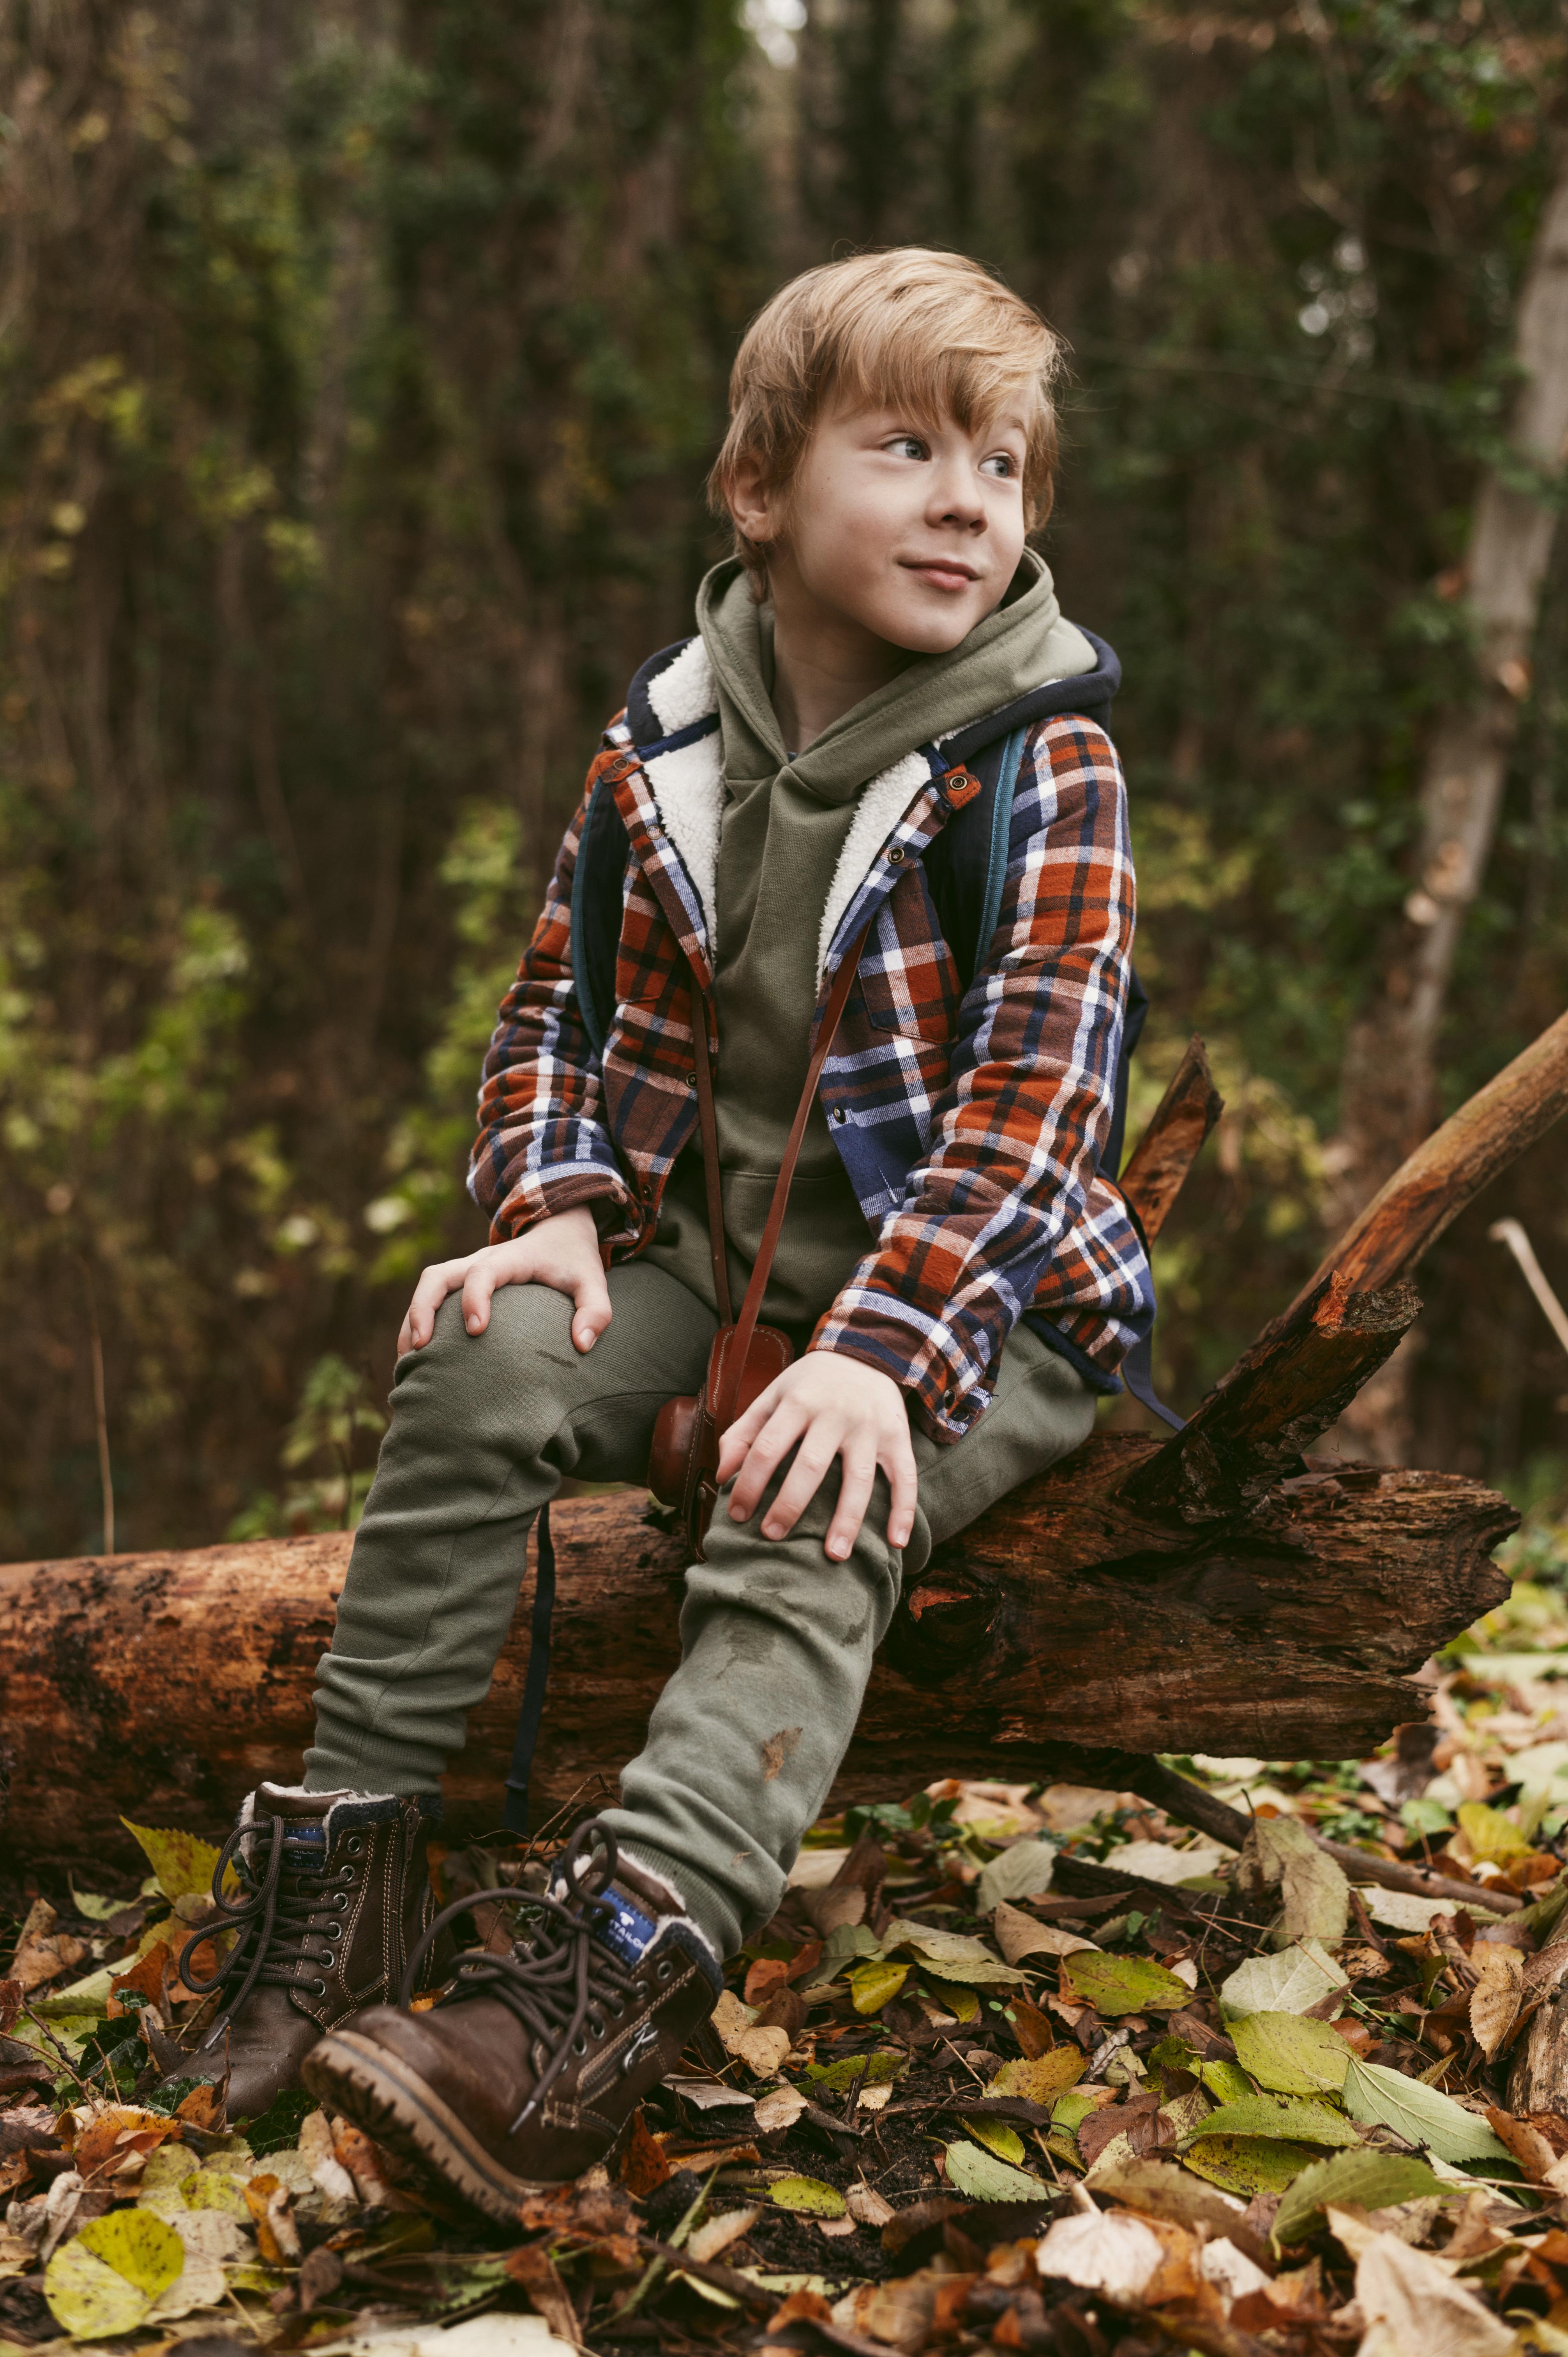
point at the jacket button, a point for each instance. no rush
(839, 1114)
(896, 857)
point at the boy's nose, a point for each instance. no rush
(956, 498)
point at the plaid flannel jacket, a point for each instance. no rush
(969, 1121)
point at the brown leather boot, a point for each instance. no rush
(334, 1898)
(527, 2072)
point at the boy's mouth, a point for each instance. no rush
(942, 571)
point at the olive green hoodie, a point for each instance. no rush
(782, 833)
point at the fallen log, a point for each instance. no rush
(161, 1687)
(1217, 1592)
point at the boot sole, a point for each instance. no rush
(392, 2104)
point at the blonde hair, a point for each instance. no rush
(907, 327)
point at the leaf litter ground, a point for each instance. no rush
(1013, 2067)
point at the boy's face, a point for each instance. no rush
(904, 531)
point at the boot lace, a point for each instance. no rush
(284, 1893)
(563, 1986)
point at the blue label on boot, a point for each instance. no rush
(628, 1933)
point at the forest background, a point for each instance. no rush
(359, 366)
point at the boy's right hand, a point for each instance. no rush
(561, 1252)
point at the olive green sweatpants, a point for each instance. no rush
(776, 1641)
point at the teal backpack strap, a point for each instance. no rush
(996, 863)
(596, 913)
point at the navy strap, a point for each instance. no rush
(1001, 836)
(515, 1816)
(1138, 1375)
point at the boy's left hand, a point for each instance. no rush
(832, 1407)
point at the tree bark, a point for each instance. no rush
(163, 1686)
(1390, 1087)
(1158, 1167)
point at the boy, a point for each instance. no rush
(958, 1279)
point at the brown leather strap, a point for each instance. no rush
(833, 1014)
(708, 1128)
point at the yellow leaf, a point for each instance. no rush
(997, 2137)
(1493, 1838)
(88, 2299)
(1043, 2079)
(141, 2248)
(183, 1863)
(872, 1987)
(106, 2279)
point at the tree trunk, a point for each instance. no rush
(1390, 1078)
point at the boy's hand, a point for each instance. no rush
(832, 1407)
(561, 1252)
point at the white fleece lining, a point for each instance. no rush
(883, 802)
(684, 692)
(688, 787)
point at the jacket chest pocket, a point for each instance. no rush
(909, 979)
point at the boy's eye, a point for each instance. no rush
(1000, 465)
(907, 446)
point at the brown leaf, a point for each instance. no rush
(11, 1995)
(319, 2277)
(866, 2206)
(1019, 1935)
(642, 2165)
(204, 2107)
(1531, 2149)
(1031, 2027)
(536, 2270)
(22, 2066)
(785, 2009)
(1494, 2000)
(832, 1908)
(766, 1974)
(1101, 2128)
(105, 2137)
(367, 2165)
(42, 1953)
(934, 2210)
(146, 1978)
(810, 2304)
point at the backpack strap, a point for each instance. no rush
(996, 856)
(598, 887)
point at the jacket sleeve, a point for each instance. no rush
(1002, 1190)
(543, 1142)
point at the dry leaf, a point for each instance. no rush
(762, 2051)
(1496, 1998)
(868, 2207)
(42, 1953)
(316, 2151)
(713, 2237)
(782, 2108)
(1018, 1935)
(897, 2312)
(1540, 2163)
(1421, 2307)
(642, 2165)
(1109, 2251)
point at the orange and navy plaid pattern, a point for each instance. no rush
(969, 1121)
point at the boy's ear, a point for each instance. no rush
(754, 502)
